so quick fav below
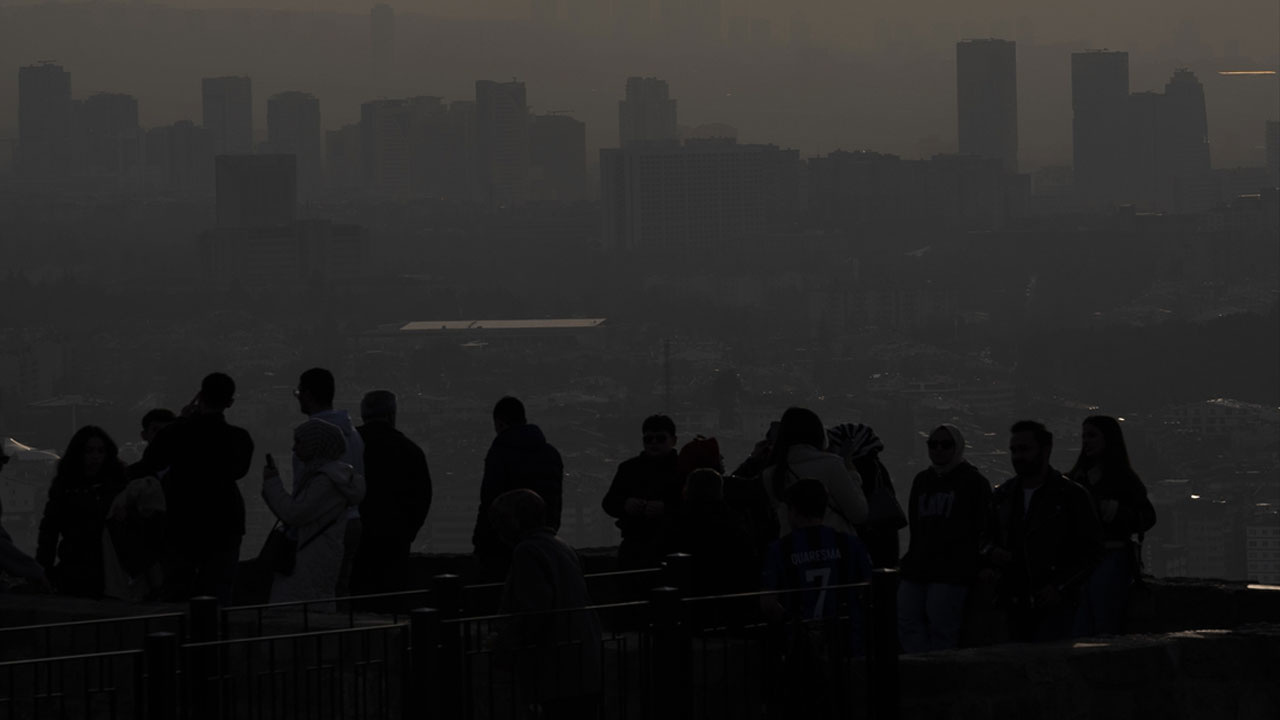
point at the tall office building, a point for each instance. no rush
(648, 114)
(1186, 150)
(987, 100)
(558, 158)
(1099, 104)
(180, 158)
(342, 158)
(293, 128)
(1273, 151)
(256, 191)
(228, 113)
(108, 137)
(502, 142)
(44, 122)
(385, 129)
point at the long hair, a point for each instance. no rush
(800, 426)
(71, 466)
(1115, 454)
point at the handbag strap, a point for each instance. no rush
(324, 529)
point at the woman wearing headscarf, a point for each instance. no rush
(947, 512)
(1121, 501)
(313, 512)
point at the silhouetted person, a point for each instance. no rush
(1045, 540)
(801, 566)
(744, 496)
(136, 525)
(315, 393)
(1121, 501)
(745, 492)
(519, 458)
(948, 510)
(860, 448)
(798, 455)
(761, 452)
(708, 529)
(14, 562)
(645, 491)
(397, 498)
(200, 458)
(555, 656)
(88, 478)
(315, 513)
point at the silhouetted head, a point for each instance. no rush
(90, 455)
(659, 434)
(1102, 444)
(155, 421)
(704, 486)
(318, 441)
(379, 406)
(315, 391)
(1030, 445)
(508, 413)
(698, 453)
(946, 447)
(517, 514)
(806, 503)
(217, 392)
(799, 426)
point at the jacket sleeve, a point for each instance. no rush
(50, 532)
(1085, 542)
(306, 506)
(489, 485)
(1136, 513)
(15, 562)
(554, 495)
(615, 500)
(846, 494)
(420, 476)
(241, 457)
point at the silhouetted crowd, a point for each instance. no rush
(1053, 555)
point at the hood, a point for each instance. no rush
(339, 418)
(344, 477)
(522, 437)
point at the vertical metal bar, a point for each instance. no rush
(884, 690)
(162, 676)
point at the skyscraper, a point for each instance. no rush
(1099, 102)
(502, 142)
(987, 100)
(648, 115)
(44, 122)
(385, 127)
(228, 113)
(558, 158)
(293, 128)
(1186, 143)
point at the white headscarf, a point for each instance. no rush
(956, 438)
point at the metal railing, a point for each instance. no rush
(98, 685)
(80, 637)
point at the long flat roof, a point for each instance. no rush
(474, 325)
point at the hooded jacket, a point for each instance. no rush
(314, 512)
(519, 458)
(846, 505)
(947, 513)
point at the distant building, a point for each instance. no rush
(108, 139)
(1099, 104)
(301, 252)
(987, 100)
(502, 142)
(179, 158)
(228, 113)
(385, 127)
(1273, 151)
(705, 194)
(293, 128)
(256, 191)
(44, 122)
(557, 158)
(429, 144)
(1262, 546)
(343, 157)
(648, 114)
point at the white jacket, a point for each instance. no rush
(846, 505)
(315, 510)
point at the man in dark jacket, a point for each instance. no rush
(645, 493)
(397, 498)
(1046, 539)
(519, 458)
(205, 457)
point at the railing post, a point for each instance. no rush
(884, 692)
(677, 572)
(670, 674)
(446, 594)
(161, 653)
(425, 689)
(202, 670)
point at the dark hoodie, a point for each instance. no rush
(519, 458)
(948, 515)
